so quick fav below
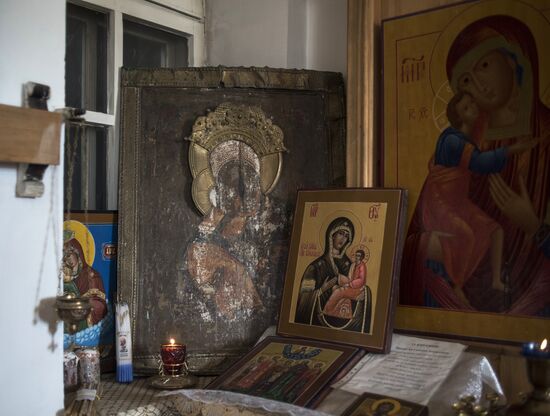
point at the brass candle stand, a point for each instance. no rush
(538, 402)
(71, 310)
(467, 406)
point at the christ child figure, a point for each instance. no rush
(461, 233)
(349, 287)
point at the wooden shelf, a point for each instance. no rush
(29, 136)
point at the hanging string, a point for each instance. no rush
(85, 168)
(72, 142)
(51, 222)
(72, 146)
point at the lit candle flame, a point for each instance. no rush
(544, 344)
(172, 341)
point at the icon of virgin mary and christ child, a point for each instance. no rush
(333, 291)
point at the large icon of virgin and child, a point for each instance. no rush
(477, 238)
(232, 260)
(339, 266)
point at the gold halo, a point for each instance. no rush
(533, 19)
(84, 237)
(360, 246)
(357, 226)
(249, 125)
(396, 409)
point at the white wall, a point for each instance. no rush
(32, 48)
(305, 34)
(326, 37)
(246, 32)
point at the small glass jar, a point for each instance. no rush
(70, 371)
(89, 369)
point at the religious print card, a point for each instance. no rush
(342, 267)
(289, 370)
(369, 404)
(89, 271)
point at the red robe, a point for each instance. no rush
(334, 306)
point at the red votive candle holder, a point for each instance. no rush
(173, 358)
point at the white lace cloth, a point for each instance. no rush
(216, 403)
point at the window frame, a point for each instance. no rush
(184, 17)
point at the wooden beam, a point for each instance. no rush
(29, 136)
(362, 92)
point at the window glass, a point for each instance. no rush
(91, 150)
(148, 47)
(86, 59)
(85, 176)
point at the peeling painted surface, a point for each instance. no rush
(225, 260)
(228, 259)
